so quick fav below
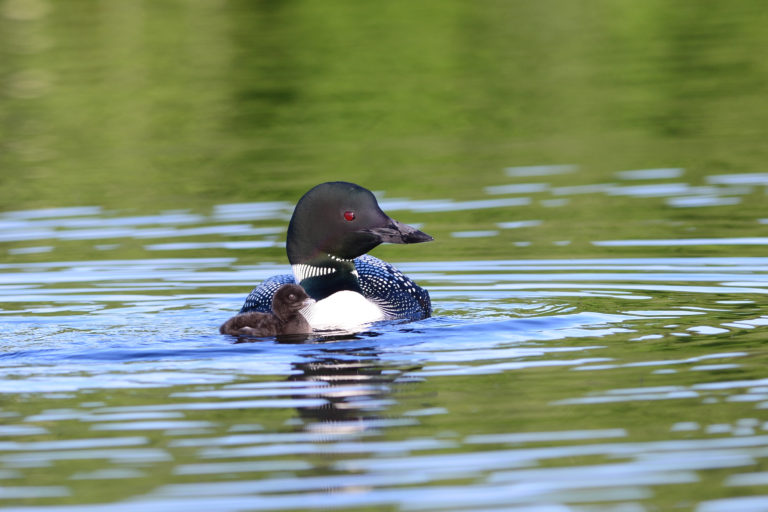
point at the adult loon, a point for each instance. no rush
(285, 318)
(332, 228)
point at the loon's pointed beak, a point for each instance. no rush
(398, 233)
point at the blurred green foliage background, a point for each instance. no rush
(145, 105)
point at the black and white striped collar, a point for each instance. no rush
(302, 271)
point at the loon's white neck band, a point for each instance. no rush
(302, 271)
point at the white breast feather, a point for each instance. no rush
(344, 310)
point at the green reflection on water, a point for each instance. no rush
(180, 104)
(152, 106)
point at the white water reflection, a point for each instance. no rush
(28, 492)
(683, 241)
(518, 224)
(517, 188)
(757, 178)
(474, 234)
(21, 430)
(116, 456)
(650, 174)
(582, 189)
(538, 437)
(700, 201)
(152, 425)
(31, 250)
(253, 211)
(540, 170)
(448, 205)
(184, 246)
(658, 190)
(108, 474)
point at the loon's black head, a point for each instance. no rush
(342, 220)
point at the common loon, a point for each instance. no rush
(284, 319)
(332, 228)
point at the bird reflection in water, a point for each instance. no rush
(354, 382)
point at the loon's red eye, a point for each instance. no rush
(349, 215)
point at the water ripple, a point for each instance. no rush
(373, 415)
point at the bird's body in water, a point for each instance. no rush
(332, 228)
(285, 317)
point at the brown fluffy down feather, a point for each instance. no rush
(284, 319)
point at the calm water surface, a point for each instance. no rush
(594, 175)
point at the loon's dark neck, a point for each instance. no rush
(326, 275)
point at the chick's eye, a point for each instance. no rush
(349, 215)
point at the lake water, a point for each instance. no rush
(595, 180)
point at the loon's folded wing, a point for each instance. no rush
(260, 299)
(392, 290)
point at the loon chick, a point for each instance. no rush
(285, 318)
(332, 228)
